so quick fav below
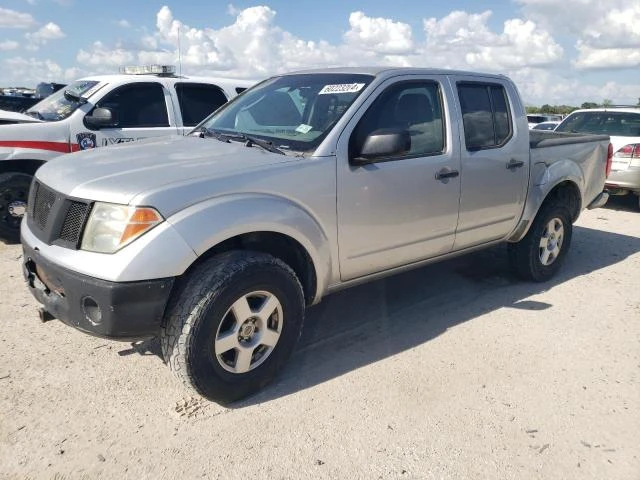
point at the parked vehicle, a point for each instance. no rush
(306, 184)
(623, 125)
(546, 126)
(19, 102)
(535, 119)
(100, 111)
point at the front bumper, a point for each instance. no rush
(116, 310)
(624, 179)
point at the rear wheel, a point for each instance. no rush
(539, 255)
(14, 191)
(232, 324)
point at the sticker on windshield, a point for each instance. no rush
(341, 88)
(303, 128)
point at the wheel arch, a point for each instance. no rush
(26, 166)
(566, 191)
(262, 223)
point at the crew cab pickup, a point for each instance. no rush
(95, 112)
(306, 184)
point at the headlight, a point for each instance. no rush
(111, 227)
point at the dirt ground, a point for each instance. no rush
(453, 371)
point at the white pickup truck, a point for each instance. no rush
(306, 184)
(99, 111)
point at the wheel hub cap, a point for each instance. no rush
(551, 241)
(248, 329)
(17, 208)
(248, 332)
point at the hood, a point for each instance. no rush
(119, 173)
(7, 116)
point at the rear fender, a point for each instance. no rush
(544, 178)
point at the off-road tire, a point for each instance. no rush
(524, 256)
(197, 309)
(13, 187)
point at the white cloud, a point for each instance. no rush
(13, 19)
(253, 45)
(538, 87)
(50, 31)
(606, 58)
(8, 45)
(379, 34)
(102, 59)
(123, 23)
(607, 32)
(463, 40)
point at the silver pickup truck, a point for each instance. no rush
(306, 184)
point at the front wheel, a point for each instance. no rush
(232, 324)
(14, 190)
(540, 253)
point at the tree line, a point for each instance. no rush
(566, 109)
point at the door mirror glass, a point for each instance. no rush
(101, 118)
(385, 142)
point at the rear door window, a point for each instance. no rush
(198, 100)
(486, 115)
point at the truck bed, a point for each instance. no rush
(568, 152)
(542, 139)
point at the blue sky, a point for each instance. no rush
(557, 52)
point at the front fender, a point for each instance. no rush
(209, 223)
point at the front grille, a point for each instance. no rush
(73, 222)
(54, 218)
(42, 202)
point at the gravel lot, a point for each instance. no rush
(451, 371)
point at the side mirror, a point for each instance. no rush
(100, 118)
(386, 142)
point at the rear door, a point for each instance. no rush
(397, 210)
(495, 160)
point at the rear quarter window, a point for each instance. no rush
(197, 101)
(619, 124)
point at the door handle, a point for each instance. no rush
(446, 173)
(513, 163)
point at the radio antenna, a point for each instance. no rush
(179, 55)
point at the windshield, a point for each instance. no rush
(618, 124)
(64, 102)
(293, 112)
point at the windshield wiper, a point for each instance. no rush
(204, 132)
(74, 97)
(251, 141)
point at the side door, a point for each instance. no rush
(140, 110)
(495, 160)
(401, 208)
(197, 101)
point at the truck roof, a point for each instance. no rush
(117, 78)
(379, 71)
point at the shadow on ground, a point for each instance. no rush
(625, 203)
(365, 324)
(368, 323)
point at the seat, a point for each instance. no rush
(412, 109)
(323, 111)
(276, 109)
(153, 115)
